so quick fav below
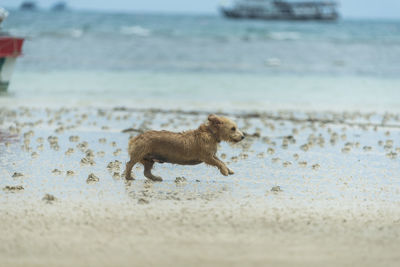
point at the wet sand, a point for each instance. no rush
(310, 189)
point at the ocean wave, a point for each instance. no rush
(135, 30)
(282, 36)
(74, 32)
(18, 32)
(61, 33)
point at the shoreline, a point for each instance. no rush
(244, 92)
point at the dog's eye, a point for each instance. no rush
(233, 128)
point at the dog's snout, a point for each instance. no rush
(242, 137)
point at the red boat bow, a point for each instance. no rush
(10, 46)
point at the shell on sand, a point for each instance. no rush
(92, 178)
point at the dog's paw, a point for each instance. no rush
(156, 178)
(129, 178)
(225, 172)
(230, 171)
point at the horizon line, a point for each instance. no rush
(170, 12)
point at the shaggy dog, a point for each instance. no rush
(186, 148)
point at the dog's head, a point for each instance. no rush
(225, 129)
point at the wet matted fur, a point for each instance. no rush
(185, 148)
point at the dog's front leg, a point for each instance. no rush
(214, 161)
(230, 172)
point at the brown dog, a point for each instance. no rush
(186, 148)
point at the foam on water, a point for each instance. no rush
(135, 30)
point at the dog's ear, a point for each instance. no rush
(214, 119)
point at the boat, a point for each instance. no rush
(28, 6)
(60, 6)
(281, 9)
(10, 49)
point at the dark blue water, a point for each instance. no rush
(88, 40)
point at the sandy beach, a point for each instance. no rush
(199, 233)
(310, 189)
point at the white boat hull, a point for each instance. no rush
(6, 70)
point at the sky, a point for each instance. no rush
(388, 9)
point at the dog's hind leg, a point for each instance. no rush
(148, 165)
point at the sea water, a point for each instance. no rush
(204, 62)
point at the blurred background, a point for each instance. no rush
(188, 55)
